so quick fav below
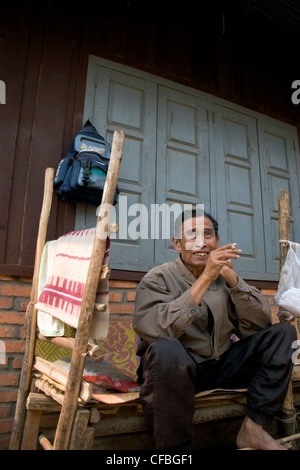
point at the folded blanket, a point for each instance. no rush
(103, 374)
(63, 275)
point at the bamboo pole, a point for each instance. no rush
(66, 419)
(288, 411)
(25, 377)
(61, 341)
(284, 225)
(45, 443)
(94, 351)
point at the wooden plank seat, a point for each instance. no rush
(119, 410)
(112, 412)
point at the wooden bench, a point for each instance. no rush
(114, 420)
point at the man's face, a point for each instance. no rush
(198, 240)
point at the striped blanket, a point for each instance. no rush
(63, 273)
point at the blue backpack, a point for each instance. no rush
(81, 174)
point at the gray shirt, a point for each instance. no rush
(165, 307)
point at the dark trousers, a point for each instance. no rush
(170, 377)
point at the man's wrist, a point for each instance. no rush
(230, 277)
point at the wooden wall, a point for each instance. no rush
(44, 49)
(40, 61)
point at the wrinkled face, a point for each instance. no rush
(197, 242)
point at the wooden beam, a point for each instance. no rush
(288, 410)
(129, 421)
(284, 226)
(25, 377)
(41, 402)
(78, 436)
(89, 440)
(31, 430)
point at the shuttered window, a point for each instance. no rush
(187, 147)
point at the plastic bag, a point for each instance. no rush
(288, 295)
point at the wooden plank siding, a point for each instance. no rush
(42, 107)
(44, 49)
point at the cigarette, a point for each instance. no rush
(233, 245)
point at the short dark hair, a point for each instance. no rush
(191, 213)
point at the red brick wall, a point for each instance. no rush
(269, 293)
(14, 298)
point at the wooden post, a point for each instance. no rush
(31, 429)
(25, 377)
(288, 411)
(284, 226)
(66, 419)
(78, 436)
(89, 439)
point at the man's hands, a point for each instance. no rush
(219, 264)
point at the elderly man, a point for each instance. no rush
(186, 313)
